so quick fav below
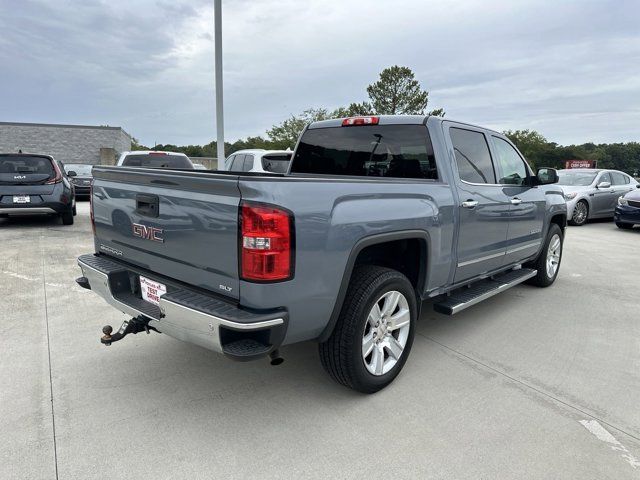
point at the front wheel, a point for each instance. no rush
(580, 214)
(548, 262)
(374, 332)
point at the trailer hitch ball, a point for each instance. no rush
(106, 338)
(135, 325)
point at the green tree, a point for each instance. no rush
(285, 134)
(397, 92)
(535, 148)
(136, 145)
(353, 110)
(437, 112)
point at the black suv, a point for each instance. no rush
(35, 184)
(81, 178)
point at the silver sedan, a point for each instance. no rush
(593, 193)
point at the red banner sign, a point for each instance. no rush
(580, 164)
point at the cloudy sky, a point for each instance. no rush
(569, 69)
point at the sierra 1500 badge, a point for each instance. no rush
(148, 233)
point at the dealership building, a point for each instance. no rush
(68, 143)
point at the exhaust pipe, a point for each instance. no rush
(275, 357)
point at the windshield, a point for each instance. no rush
(79, 168)
(576, 179)
(396, 151)
(157, 160)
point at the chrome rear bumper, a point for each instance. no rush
(183, 314)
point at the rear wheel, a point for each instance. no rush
(374, 333)
(624, 226)
(548, 262)
(580, 214)
(67, 217)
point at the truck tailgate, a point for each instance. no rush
(180, 224)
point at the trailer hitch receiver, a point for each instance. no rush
(135, 325)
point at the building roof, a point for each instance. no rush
(61, 125)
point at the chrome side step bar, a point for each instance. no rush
(465, 297)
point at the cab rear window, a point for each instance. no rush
(394, 151)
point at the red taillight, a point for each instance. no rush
(93, 221)
(266, 243)
(157, 153)
(58, 175)
(350, 122)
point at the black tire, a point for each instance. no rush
(341, 355)
(542, 279)
(74, 211)
(580, 221)
(624, 226)
(67, 218)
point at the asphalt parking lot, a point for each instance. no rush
(534, 383)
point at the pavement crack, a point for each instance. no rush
(531, 387)
(46, 317)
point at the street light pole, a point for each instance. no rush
(217, 6)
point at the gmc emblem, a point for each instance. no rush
(148, 233)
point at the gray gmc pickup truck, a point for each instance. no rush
(374, 216)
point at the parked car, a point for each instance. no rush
(81, 177)
(376, 215)
(275, 161)
(35, 184)
(627, 212)
(593, 193)
(154, 159)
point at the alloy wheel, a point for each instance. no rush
(553, 255)
(386, 332)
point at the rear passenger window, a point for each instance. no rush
(236, 166)
(472, 156)
(248, 163)
(510, 166)
(619, 178)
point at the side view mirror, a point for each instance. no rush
(603, 185)
(546, 176)
(72, 173)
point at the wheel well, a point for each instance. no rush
(407, 256)
(560, 220)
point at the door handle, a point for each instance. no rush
(516, 201)
(470, 203)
